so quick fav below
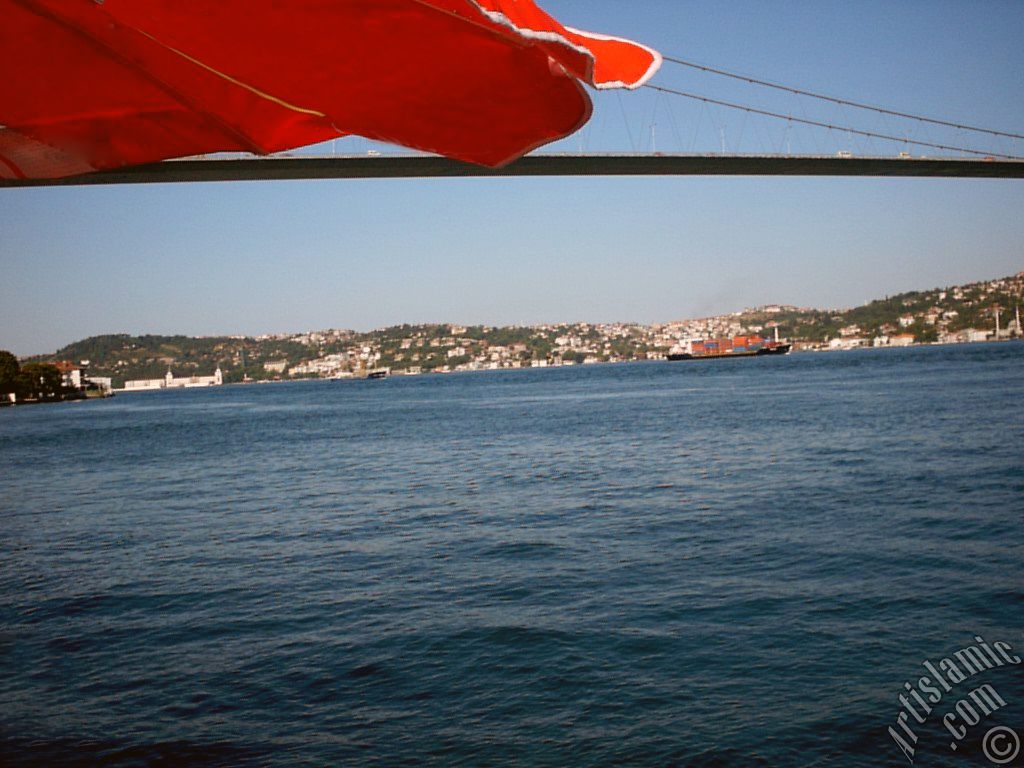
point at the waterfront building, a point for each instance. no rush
(104, 384)
(850, 342)
(896, 340)
(170, 381)
(72, 374)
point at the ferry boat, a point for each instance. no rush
(737, 346)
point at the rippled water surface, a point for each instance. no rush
(708, 563)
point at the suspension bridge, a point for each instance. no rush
(898, 143)
(428, 166)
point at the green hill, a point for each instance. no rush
(929, 315)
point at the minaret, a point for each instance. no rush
(1020, 331)
(218, 377)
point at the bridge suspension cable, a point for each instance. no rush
(836, 100)
(831, 126)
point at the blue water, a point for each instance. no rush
(706, 563)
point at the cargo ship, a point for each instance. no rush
(737, 346)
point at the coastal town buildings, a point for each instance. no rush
(978, 312)
(75, 376)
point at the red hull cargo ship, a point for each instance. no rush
(737, 346)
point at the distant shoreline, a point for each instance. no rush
(803, 352)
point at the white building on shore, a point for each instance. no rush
(169, 381)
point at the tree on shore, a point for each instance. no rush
(39, 381)
(8, 373)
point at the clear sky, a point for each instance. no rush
(290, 256)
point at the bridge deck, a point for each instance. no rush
(420, 166)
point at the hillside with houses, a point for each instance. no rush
(980, 311)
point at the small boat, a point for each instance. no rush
(378, 373)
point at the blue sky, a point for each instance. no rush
(290, 256)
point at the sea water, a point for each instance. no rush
(722, 562)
